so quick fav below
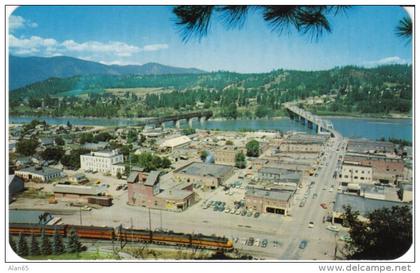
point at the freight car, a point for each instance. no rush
(92, 232)
(173, 238)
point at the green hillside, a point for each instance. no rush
(381, 90)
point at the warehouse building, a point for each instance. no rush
(82, 194)
(144, 190)
(207, 175)
(268, 201)
(39, 174)
(175, 143)
(357, 203)
(303, 143)
(364, 146)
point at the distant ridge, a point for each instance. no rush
(27, 70)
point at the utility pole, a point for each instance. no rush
(161, 220)
(80, 215)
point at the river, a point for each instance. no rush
(348, 127)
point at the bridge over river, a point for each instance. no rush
(176, 119)
(321, 125)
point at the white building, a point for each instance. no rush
(355, 173)
(106, 162)
(177, 142)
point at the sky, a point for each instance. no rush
(364, 36)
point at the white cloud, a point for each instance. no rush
(155, 47)
(16, 22)
(385, 61)
(95, 50)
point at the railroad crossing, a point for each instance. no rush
(322, 126)
(202, 116)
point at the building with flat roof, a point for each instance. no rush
(29, 217)
(268, 201)
(207, 175)
(361, 204)
(226, 155)
(144, 190)
(176, 142)
(277, 175)
(106, 162)
(364, 146)
(355, 173)
(82, 194)
(39, 174)
(384, 169)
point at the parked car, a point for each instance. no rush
(311, 224)
(257, 214)
(303, 244)
(243, 213)
(250, 241)
(249, 214)
(264, 243)
(324, 206)
(333, 228)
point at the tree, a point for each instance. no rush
(240, 160)
(34, 251)
(72, 161)
(119, 175)
(45, 245)
(203, 155)
(59, 141)
(404, 28)
(58, 246)
(253, 148)
(386, 235)
(22, 249)
(27, 146)
(12, 244)
(52, 153)
(73, 243)
(307, 20)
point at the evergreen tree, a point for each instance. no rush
(22, 249)
(13, 244)
(58, 246)
(45, 245)
(34, 251)
(73, 243)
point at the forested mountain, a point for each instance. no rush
(349, 89)
(27, 70)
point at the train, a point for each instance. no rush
(127, 235)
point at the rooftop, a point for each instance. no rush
(361, 204)
(27, 216)
(173, 142)
(77, 189)
(267, 194)
(152, 178)
(174, 194)
(104, 153)
(41, 170)
(205, 169)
